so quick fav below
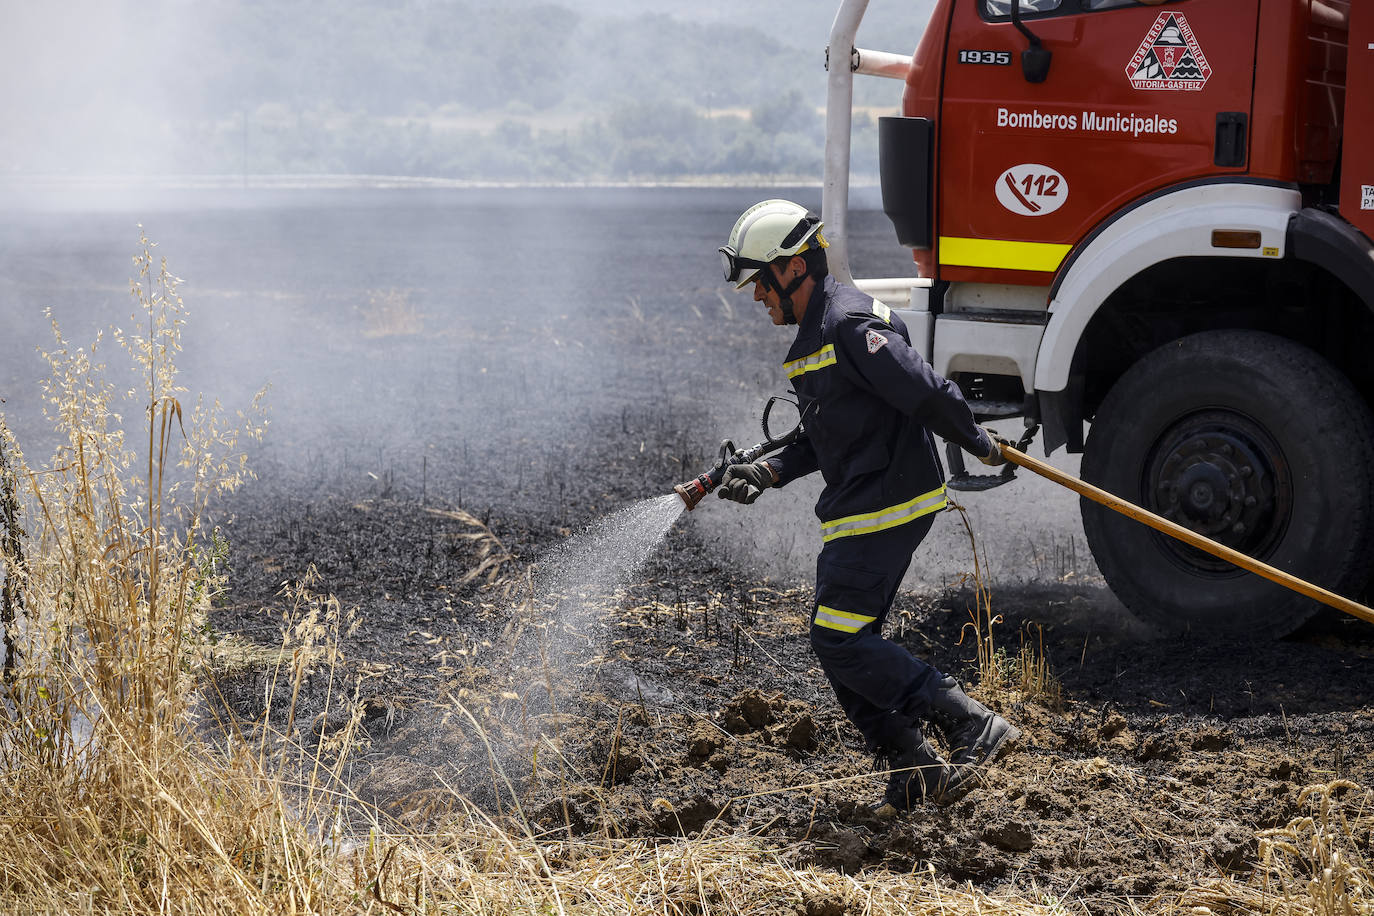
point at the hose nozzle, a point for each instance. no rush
(693, 490)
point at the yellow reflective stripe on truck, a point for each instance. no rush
(844, 621)
(891, 517)
(823, 357)
(1001, 253)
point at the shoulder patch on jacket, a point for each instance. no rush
(875, 341)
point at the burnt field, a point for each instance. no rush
(689, 702)
(437, 439)
(682, 698)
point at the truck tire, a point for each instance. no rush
(1253, 441)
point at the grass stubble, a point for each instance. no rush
(124, 792)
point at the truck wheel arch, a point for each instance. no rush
(1177, 222)
(1329, 242)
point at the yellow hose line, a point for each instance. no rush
(1163, 525)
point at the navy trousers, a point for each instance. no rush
(881, 686)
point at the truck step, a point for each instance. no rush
(976, 483)
(996, 410)
(960, 479)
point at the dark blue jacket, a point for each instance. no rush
(869, 404)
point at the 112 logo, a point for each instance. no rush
(1031, 189)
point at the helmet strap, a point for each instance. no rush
(789, 316)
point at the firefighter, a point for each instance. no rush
(869, 405)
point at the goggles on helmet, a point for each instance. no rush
(796, 242)
(735, 265)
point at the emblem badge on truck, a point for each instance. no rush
(1030, 189)
(1169, 57)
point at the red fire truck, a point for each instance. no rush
(1145, 225)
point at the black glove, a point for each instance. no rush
(994, 460)
(744, 482)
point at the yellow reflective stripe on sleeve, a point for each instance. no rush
(823, 357)
(1001, 253)
(844, 621)
(883, 519)
(882, 311)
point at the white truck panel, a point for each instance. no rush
(963, 297)
(906, 293)
(988, 347)
(921, 327)
(1174, 225)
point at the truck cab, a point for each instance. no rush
(1145, 227)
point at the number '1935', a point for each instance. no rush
(1000, 58)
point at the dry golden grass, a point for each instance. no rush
(1317, 865)
(123, 795)
(492, 555)
(1028, 672)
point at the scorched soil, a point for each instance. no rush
(689, 700)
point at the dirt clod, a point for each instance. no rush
(1158, 747)
(562, 812)
(822, 905)
(687, 816)
(703, 742)
(1113, 726)
(799, 734)
(841, 848)
(1211, 740)
(1047, 802)
(1233, 848)
(749, 711)
(1011, 835)
(622, 764)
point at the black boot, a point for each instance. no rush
(974, 734)
(917, 773)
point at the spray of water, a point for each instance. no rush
(605, 555)
(555, 627)
(575, 581)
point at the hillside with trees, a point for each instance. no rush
(573, 91)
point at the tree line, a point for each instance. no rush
(461, 89)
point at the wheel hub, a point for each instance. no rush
(1218, 473)
(1205, 493)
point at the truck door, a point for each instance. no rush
(1138, 98)
(1357, 190)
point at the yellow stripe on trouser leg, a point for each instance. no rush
(883, 519)
(844, 621)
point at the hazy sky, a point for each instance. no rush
(117, 86)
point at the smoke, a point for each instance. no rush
(86, 87)
(466, 90)
(488, 348)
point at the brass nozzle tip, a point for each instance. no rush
(690, 492)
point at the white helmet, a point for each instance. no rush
(767, 231)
